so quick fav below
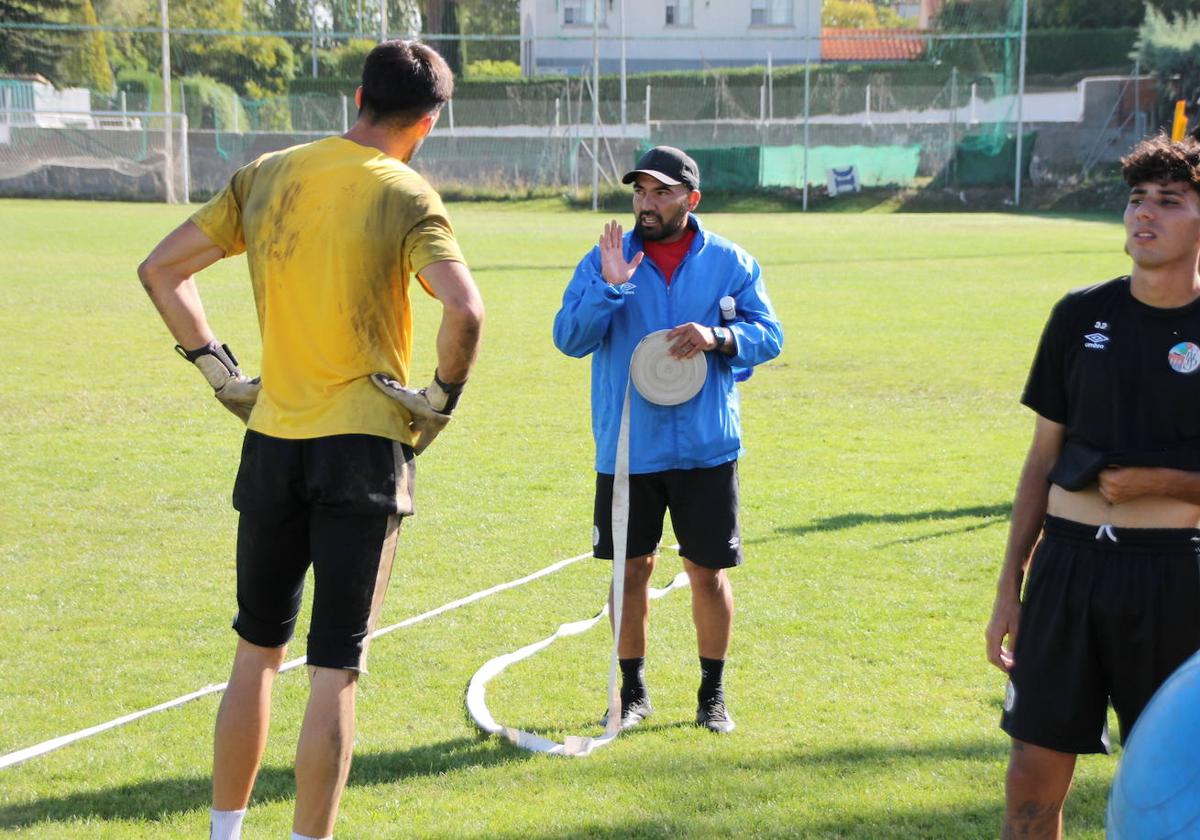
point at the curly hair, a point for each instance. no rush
(1160, 159)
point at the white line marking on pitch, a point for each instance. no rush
(18, 756)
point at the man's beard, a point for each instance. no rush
(416, 148)
(665, 228)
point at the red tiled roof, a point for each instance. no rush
(840, 44)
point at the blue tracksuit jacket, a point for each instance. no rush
(608, 323)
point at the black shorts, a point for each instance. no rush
(704, 513)
(1100, 621)
(333, 503)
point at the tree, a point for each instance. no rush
(858, 14)
(35, 50)
(1170, 50)
(978, 15)
(490, 17)
(129, 50)
(86, 63)
(975, 15)
(441, 18)
(256, 66)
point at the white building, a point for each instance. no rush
(556, 35)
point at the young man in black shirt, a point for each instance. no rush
(1110, 497)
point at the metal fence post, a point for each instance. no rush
(1021, 101)
(187, 159)
(807, 66)
(621, 10)
(953, 123)
(168, 147)
(595, 104)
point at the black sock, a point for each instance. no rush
(633, 678)
(711, 672)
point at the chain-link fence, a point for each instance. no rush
(895, 108)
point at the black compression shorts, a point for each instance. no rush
(333, 503)
(1107, 614)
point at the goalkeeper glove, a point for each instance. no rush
(232, 387)
(428, 408)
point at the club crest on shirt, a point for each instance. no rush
(1095, 341)
(1184, 357)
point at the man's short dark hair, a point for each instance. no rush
(1160, 159)
(402, 81)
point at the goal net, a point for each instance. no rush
(123, 155)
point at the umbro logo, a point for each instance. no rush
(1095, 341)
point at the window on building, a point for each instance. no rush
(579, 12)
(770, 12)
(679, 12)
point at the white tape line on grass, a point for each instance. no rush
(573, 745)
(16, 757)
(660, 378)
(61, 741)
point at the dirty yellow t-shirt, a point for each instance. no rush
(332, 232)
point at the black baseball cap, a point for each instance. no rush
(667, 164)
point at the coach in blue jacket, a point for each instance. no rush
(670, 273)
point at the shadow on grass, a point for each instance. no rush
(155, 798)
(886, 821)
(876, 818)
(844, 521)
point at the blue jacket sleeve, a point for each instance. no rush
(587, 308)
(758, 333)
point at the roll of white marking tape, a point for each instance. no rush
(660, 377)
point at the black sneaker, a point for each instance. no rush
(713, 716)
(632, 712)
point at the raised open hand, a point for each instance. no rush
(613, 266)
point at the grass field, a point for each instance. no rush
(881, 452)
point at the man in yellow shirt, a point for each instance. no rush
(332, 232)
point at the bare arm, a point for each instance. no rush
(1124, 484)
(1029, 509)
(462, 318)
(167, 276)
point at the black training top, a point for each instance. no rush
(1123, 377)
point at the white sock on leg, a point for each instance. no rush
(296, 836)
(226, 825)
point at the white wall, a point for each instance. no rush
(720, 34)
(75, 100)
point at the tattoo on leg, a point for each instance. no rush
(1031, 820)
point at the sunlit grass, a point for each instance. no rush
(881, 452)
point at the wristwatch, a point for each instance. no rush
(720, 336)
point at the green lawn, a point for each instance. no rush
(881, 452)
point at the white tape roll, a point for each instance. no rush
(660, 377)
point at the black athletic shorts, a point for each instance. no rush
(333, 503)
(1107, 615)
(704, 513)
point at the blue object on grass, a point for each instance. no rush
(1156, 792)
